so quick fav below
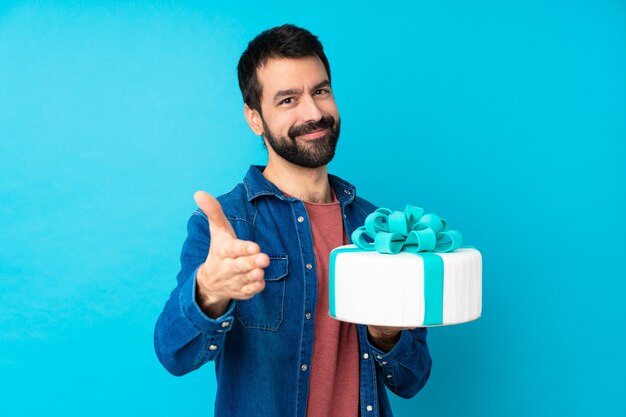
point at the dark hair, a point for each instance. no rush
(286, 41)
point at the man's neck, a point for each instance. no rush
(307, 184)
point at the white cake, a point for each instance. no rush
(368, 287)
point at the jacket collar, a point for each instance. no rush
(257, 185)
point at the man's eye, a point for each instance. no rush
(288, 100)
(321, 91)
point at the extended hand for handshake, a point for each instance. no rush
(233, 268)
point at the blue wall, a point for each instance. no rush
(506, 118)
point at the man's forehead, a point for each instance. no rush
(284, 73)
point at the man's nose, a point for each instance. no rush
(309, 110)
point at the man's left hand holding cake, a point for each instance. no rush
(385, 337)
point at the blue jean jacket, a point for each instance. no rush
(263, 347)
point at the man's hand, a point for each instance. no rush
(384, 337)
(233, 268)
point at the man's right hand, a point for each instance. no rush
(233, 268)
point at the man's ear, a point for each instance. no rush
(253, 117)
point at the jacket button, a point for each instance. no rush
(308, 316)
(213, 347)
(369, 408)
(225, 324)
(309, 266)
(300, 219)
(304, 368)
(365, 356)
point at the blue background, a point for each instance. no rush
(506, 118)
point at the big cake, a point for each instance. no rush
(406, 269)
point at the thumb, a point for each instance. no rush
(213, 210)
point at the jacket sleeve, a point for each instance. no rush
(405, 368)
(184, 337)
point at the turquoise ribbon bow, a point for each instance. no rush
(410, 231)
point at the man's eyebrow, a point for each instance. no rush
(323, 84)
(283, 93)
(296, 92)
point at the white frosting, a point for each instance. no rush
(388, 290)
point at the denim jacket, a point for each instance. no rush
(262, 347)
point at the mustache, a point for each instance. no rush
(324, 123)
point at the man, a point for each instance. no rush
(252, 293)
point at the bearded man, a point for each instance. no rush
(252, 292)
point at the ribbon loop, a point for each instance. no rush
(378, 222)
(398, 223)
(410, 231)
(389, 242)
(358, 238)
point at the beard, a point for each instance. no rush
(310, 154)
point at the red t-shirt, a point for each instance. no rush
(334, 384)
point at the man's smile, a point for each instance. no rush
(314, 135)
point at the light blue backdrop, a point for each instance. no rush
(508, 118)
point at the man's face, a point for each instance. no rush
(299, 115)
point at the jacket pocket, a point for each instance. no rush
(265, 310)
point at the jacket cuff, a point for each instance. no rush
(401, 349)
(196, 316)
